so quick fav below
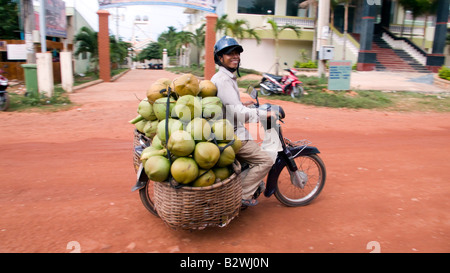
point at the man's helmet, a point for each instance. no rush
(225, 45)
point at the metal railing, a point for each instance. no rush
(296, 21)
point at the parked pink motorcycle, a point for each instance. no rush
(287, 84)
(4, 97)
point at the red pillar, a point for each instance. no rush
(210, 40)
(103, 46)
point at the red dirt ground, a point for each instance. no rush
(67, 176)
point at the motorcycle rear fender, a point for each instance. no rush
(142, 178)
(280, 163)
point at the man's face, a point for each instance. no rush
(231, 60)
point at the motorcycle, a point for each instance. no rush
(296, 178)
(4, 97)
(287, 84)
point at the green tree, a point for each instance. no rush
(9, 28)
(152, 51)
(276, 31)
(86, 42)
(198, 39)
(168, 40)
(239, 28)
(118, 50)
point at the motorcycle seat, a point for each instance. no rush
(277, 78)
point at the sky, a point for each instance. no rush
(160, 18)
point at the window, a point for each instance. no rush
(293, 9)
(256, 6)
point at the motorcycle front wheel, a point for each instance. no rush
(312, 170)
(296, 91)
(4, 101)
(147, 195)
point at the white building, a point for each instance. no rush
(262, 57)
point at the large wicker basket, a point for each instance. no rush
(200, 207)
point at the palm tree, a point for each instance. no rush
(168, 39)
(198, 39)
(276, 30)
(86, 40)
(239, 28)
(152, 51)
(221, 24)
(9, 28)
(183, 39)
(118, 50)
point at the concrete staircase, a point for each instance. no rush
(395, 60)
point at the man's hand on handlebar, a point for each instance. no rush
(248, 103)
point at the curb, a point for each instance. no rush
(445, 84)
(88, 84)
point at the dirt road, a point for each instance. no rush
(67, 176)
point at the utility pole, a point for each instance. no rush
(42, 26)
(27, 13)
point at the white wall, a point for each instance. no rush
(262, 57)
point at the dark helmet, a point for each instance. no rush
(225, 45)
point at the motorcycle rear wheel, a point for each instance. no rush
(293, 196)
(4, 101)
(147, 195)
(264, 91)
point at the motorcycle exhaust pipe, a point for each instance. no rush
(265, 86)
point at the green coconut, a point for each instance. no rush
(227, 156)
(174, 125)
(184, 170)
(160, 106)
(157, 168)
(150, 128)
(206, 154)
(212, 108)
(223, 130)
(199, 129)
(145, 109)
(187, 107)
(221, 173)
(205, 178)
(181, 143)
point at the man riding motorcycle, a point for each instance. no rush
(227, 55)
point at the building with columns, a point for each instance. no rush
(378, 35)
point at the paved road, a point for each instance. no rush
(391, 81)
(67, 176)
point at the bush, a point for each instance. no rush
(58, 101)
(444, 73)
(309, 64)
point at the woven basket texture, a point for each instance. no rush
(192, 208)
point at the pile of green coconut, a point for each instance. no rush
(200, 144)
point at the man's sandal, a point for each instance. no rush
(249, 202)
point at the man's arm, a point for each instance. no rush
(228, 93)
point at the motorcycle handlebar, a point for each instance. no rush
(274, 108)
